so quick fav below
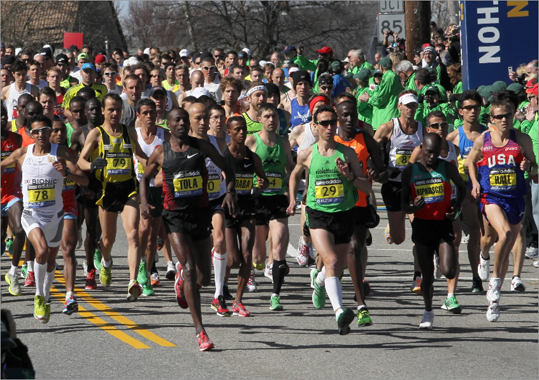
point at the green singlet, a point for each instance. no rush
(252, 126)
(274, 164)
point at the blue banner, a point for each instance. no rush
(496, 35)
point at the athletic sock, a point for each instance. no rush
(361, 307)
(70, 294)
(334, 292)
(30, 265)
(219, 267)
(106, 264)
(49, 278)
(321, 277)
(449, 295)
(279, 271)
(416, 275)
(40, 271)
(13, 270)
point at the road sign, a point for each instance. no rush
(391, 6)
(392, 22)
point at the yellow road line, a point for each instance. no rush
(116, 316)
(102, 323)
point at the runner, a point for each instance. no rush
(334, 176)
(187, 215)
(299, 106)
(498, 180)
(11, 93)
(115, 145)
(44, 166)
(257, 94)
(426, 192)
(231, 89)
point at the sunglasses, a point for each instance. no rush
(501, 116)
(197, 63)
(438, 125)
(469, 108)
(327, 123)
(37, 131)
(208, 67)
(531, 97)
(325, 88)
(109, 74)
(61, 64)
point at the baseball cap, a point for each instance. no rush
(363, 75)
(377, 72)
(301, 75)
(61, 58)
(386, 63)
(432, 89)
(46, 52)
(8, 60)
(272, 88)
(289, 49)
(326, 79)
(407, 99)
(2, 45)
(155, 90)
(325, 50)
(146, 51)
(516, 88)
(247, 51)
(532, 86)
(133, 61)
(200, 91)
(484, 91)
(498, 86)
(184, 53)
(82, 56)
(335, 67)
(88, 66)
(242, 55)
(100, 58)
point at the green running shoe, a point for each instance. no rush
(276, 303)
(364, 317)
(14, 287)
(343, 321)
(97, 259)
(319, 292)
(147, 289)
(452, 305)
(142, 277)
(24, 271)
(105, 276)
(9, 246)
(40, 312)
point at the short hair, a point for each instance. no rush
(108, 65)
(26, 96)
(239, 119)
(208, 58)
(407, 92)
(77, 99)
(181, 66)
(470, 95)
(501, 104)
(140, 66)
(404, 66)
(349, 98)
(88, 91)
(432, 114)
(112, 95)
(232, 82)
(266, 107)
(507, 96)
(47, 91)
(324, 108)
(55, 69)
(188, 99)
(145, 102)
(257, 68)
(232, 52)
(215, 107)
(133, 77)
(86, 46)
(39, 118)
(423, 76)
(18, 65)
(33, 62)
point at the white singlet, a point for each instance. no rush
(308, 138)
(216, 184)
(13, 98)
(158, 140)
(402, 146)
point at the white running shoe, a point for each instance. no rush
(303, 253)
(493, 292)
(483, 269)
(268, 271)
(171, 271)
(426, 322)
(251, 283)
(532, 253)
(536, 263)
(465, 238)
(437, 270)
(493, 312)
(517, 285)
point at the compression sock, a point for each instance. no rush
(321, 277)
(334, 292)
(279, 271)
(40, 271)
(219, 266)
(49, 278)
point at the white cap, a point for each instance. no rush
(292, 70)
(262, 63)
(407, 99)
(247, 50)
(147, 51)
(200, 91)
(17, 51)
(184, 53)
(133, 61)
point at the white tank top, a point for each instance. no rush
(308, 139)
(402, 146)
(216, 185)
(41, 183)
(13, 98)
(148, 149)
(451, 157)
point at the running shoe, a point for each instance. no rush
(516, 285)
(483, 268)
(493, 293)
(97, 259)
(39, 308)
(159, 243)
(9, 246)
(240, 310)
(134, 290)
(24, 271)
(303, 253)
(536, 263)
(85, 267)
(276, 303)
(13, 282)
(147, 290)
(171, 271)
(219, 305)
(493, 312)
(451, 304)
(30, 280)
(142, 277)
(154, 279)
(426, 322)
(178, 287)
(465, 238)
(319, 292)
(204, 343)
(70, 306)
(47, 313)
(532, 253)
(388, 235)
(105, 276)
(437, 270)
(416, 286)
(91, 284)
(477, 285)
(226, 293)
(251, 283)
(343, 321)
(364, 317)
(268, 271)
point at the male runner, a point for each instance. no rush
(11, 93)
(231, 89)
(257, 94)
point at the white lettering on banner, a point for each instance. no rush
(488, 35)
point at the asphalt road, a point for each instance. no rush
(110, 338)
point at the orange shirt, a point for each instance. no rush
(358, 145)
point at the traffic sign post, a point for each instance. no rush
(391, 6)
(391, 22)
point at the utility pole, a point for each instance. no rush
(417, 15)
(453, 10)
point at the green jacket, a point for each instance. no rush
(384, 99)
(410, 83)
(364, 65)
(364, 110)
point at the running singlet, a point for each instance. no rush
(299, 114)
(252, 126)
(184, 178)
(274, 163)
(216, 185)
(402, 146)
(118, 151)
(244, 170)
(69, 197)
(453, 158)
(465, 146)
(358, 145)
(158, 140)
(41, 183)
(11, 177)
(283, 125)
(499, 170)
(13, 98)
(435, 188)
(329, 190)
(308, 138)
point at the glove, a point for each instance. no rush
(99, 163)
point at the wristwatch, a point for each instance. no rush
(68, 172)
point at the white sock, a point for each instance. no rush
(334, 292)
(321, 277)
(339, 312)
(106, 264)
(449, 295)
(49, 278)
(30, 265)
(13, 270)
(219, 265)
(361, 307)
(70, 294)
(40, 271)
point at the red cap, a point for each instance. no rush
(531, 86)
(325, 50)
(100, 58)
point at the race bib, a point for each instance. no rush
(329, 191)
(187, 184)
(432, 190)
(275, 183)
(402, 158)
(118, 163)
(244, 183)
(42, 195)
(503, 179)
(214, 186)
(10, 168)
(69, 184)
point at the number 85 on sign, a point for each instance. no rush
(393, 22)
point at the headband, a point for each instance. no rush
(257, 88)
(408, 98)
(317, 99)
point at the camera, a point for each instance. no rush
(521, 79)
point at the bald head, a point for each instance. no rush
(198, 116)
(433, 140)
(197, 78)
